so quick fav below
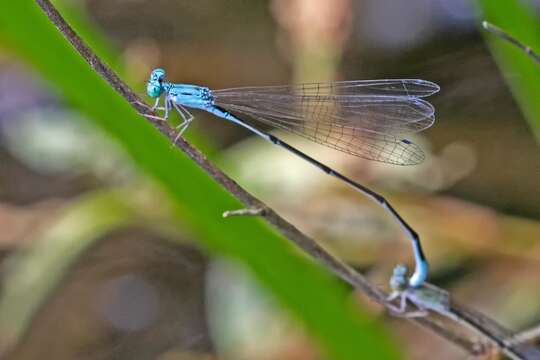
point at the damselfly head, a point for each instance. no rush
(154, 88)
(399, 279)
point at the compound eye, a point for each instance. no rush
(158, 75)
(153, 90)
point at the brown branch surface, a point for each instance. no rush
(481, 324)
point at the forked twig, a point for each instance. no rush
(342, 270)
(525, 336)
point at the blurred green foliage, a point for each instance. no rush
(520, 71)
(316, 298)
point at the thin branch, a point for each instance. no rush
(244, 212)
(500, 33)
(311, 247)
(527, 335)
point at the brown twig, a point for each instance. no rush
(244, 212)
(307, 244)
(500, 33)
(527, 335)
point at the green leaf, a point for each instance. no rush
(520, 71)
(312, 295)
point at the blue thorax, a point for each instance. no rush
(192, 96)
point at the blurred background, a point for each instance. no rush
(93, 265)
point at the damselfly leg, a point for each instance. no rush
(425, 297)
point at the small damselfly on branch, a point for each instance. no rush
(365, 118)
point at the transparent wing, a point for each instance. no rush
(366, 144)
(363, 118)
(397, 87)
